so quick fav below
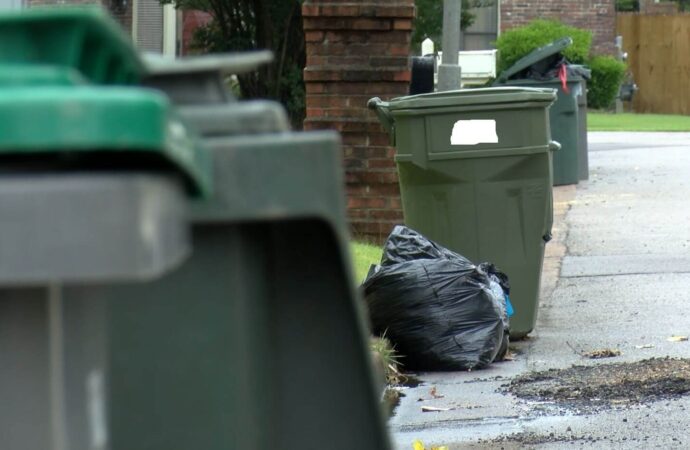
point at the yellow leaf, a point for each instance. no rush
(417, 445)
(439, 448)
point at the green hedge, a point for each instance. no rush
(518, 42)
(607, 76)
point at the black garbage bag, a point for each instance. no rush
(441, 311)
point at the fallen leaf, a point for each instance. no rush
(602, 353)
(645, 346)
(434, 393)
(417, 445)
(677, 338)
(434, 409)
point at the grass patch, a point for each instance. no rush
(364, 255)
(597, 121)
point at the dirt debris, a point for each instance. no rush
(602, 353)
(584, 387)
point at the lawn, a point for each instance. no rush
(597, 121)
(363, 256)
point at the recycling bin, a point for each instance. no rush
(475, 176)
(540, 69)
(157, 293)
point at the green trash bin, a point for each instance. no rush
(583, 146)
(537, 69)
(475, 176)
(157, 294)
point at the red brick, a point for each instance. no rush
(315, 88)
(313, 36)
(402, 24)
(358, 213)
(371, 24)
(381, 163)
(386, 214)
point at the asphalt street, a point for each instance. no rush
(616, 276)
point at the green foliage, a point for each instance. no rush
(518, 42)
(363, 256)
(598, 121)
(428, 22)
(683, 5)
(627, 5)
(607, 75)
(241, 25)
(634, 5)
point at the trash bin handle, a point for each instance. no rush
(554, 146)
(382, 112)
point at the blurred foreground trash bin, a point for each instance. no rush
(545, 67)
(157, 295)
(475, 176)
(197, 86)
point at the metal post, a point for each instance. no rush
(449, 72)
(619, 55)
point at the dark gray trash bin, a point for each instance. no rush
(540, 69)
(136, 317)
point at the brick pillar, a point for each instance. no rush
(357, 50)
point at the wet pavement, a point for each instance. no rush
(616, 280)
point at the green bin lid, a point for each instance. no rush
(82, 38)
(23, 75)
(108, 122)
(535, 57)
(469, 97)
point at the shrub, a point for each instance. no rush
(627, 5)
(607, 76)
(518, 42)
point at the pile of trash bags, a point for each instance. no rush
(439, 310)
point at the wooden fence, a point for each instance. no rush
(659, 58)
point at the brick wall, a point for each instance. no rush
(34, 3)
(651, 7)
(357, 50)
(191, 20)
(121, 11)
(599, 16)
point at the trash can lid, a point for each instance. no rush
(101, 124)
(534, 57)
(578, 70)
(467, 97)
(232, 63)
(83, 38)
